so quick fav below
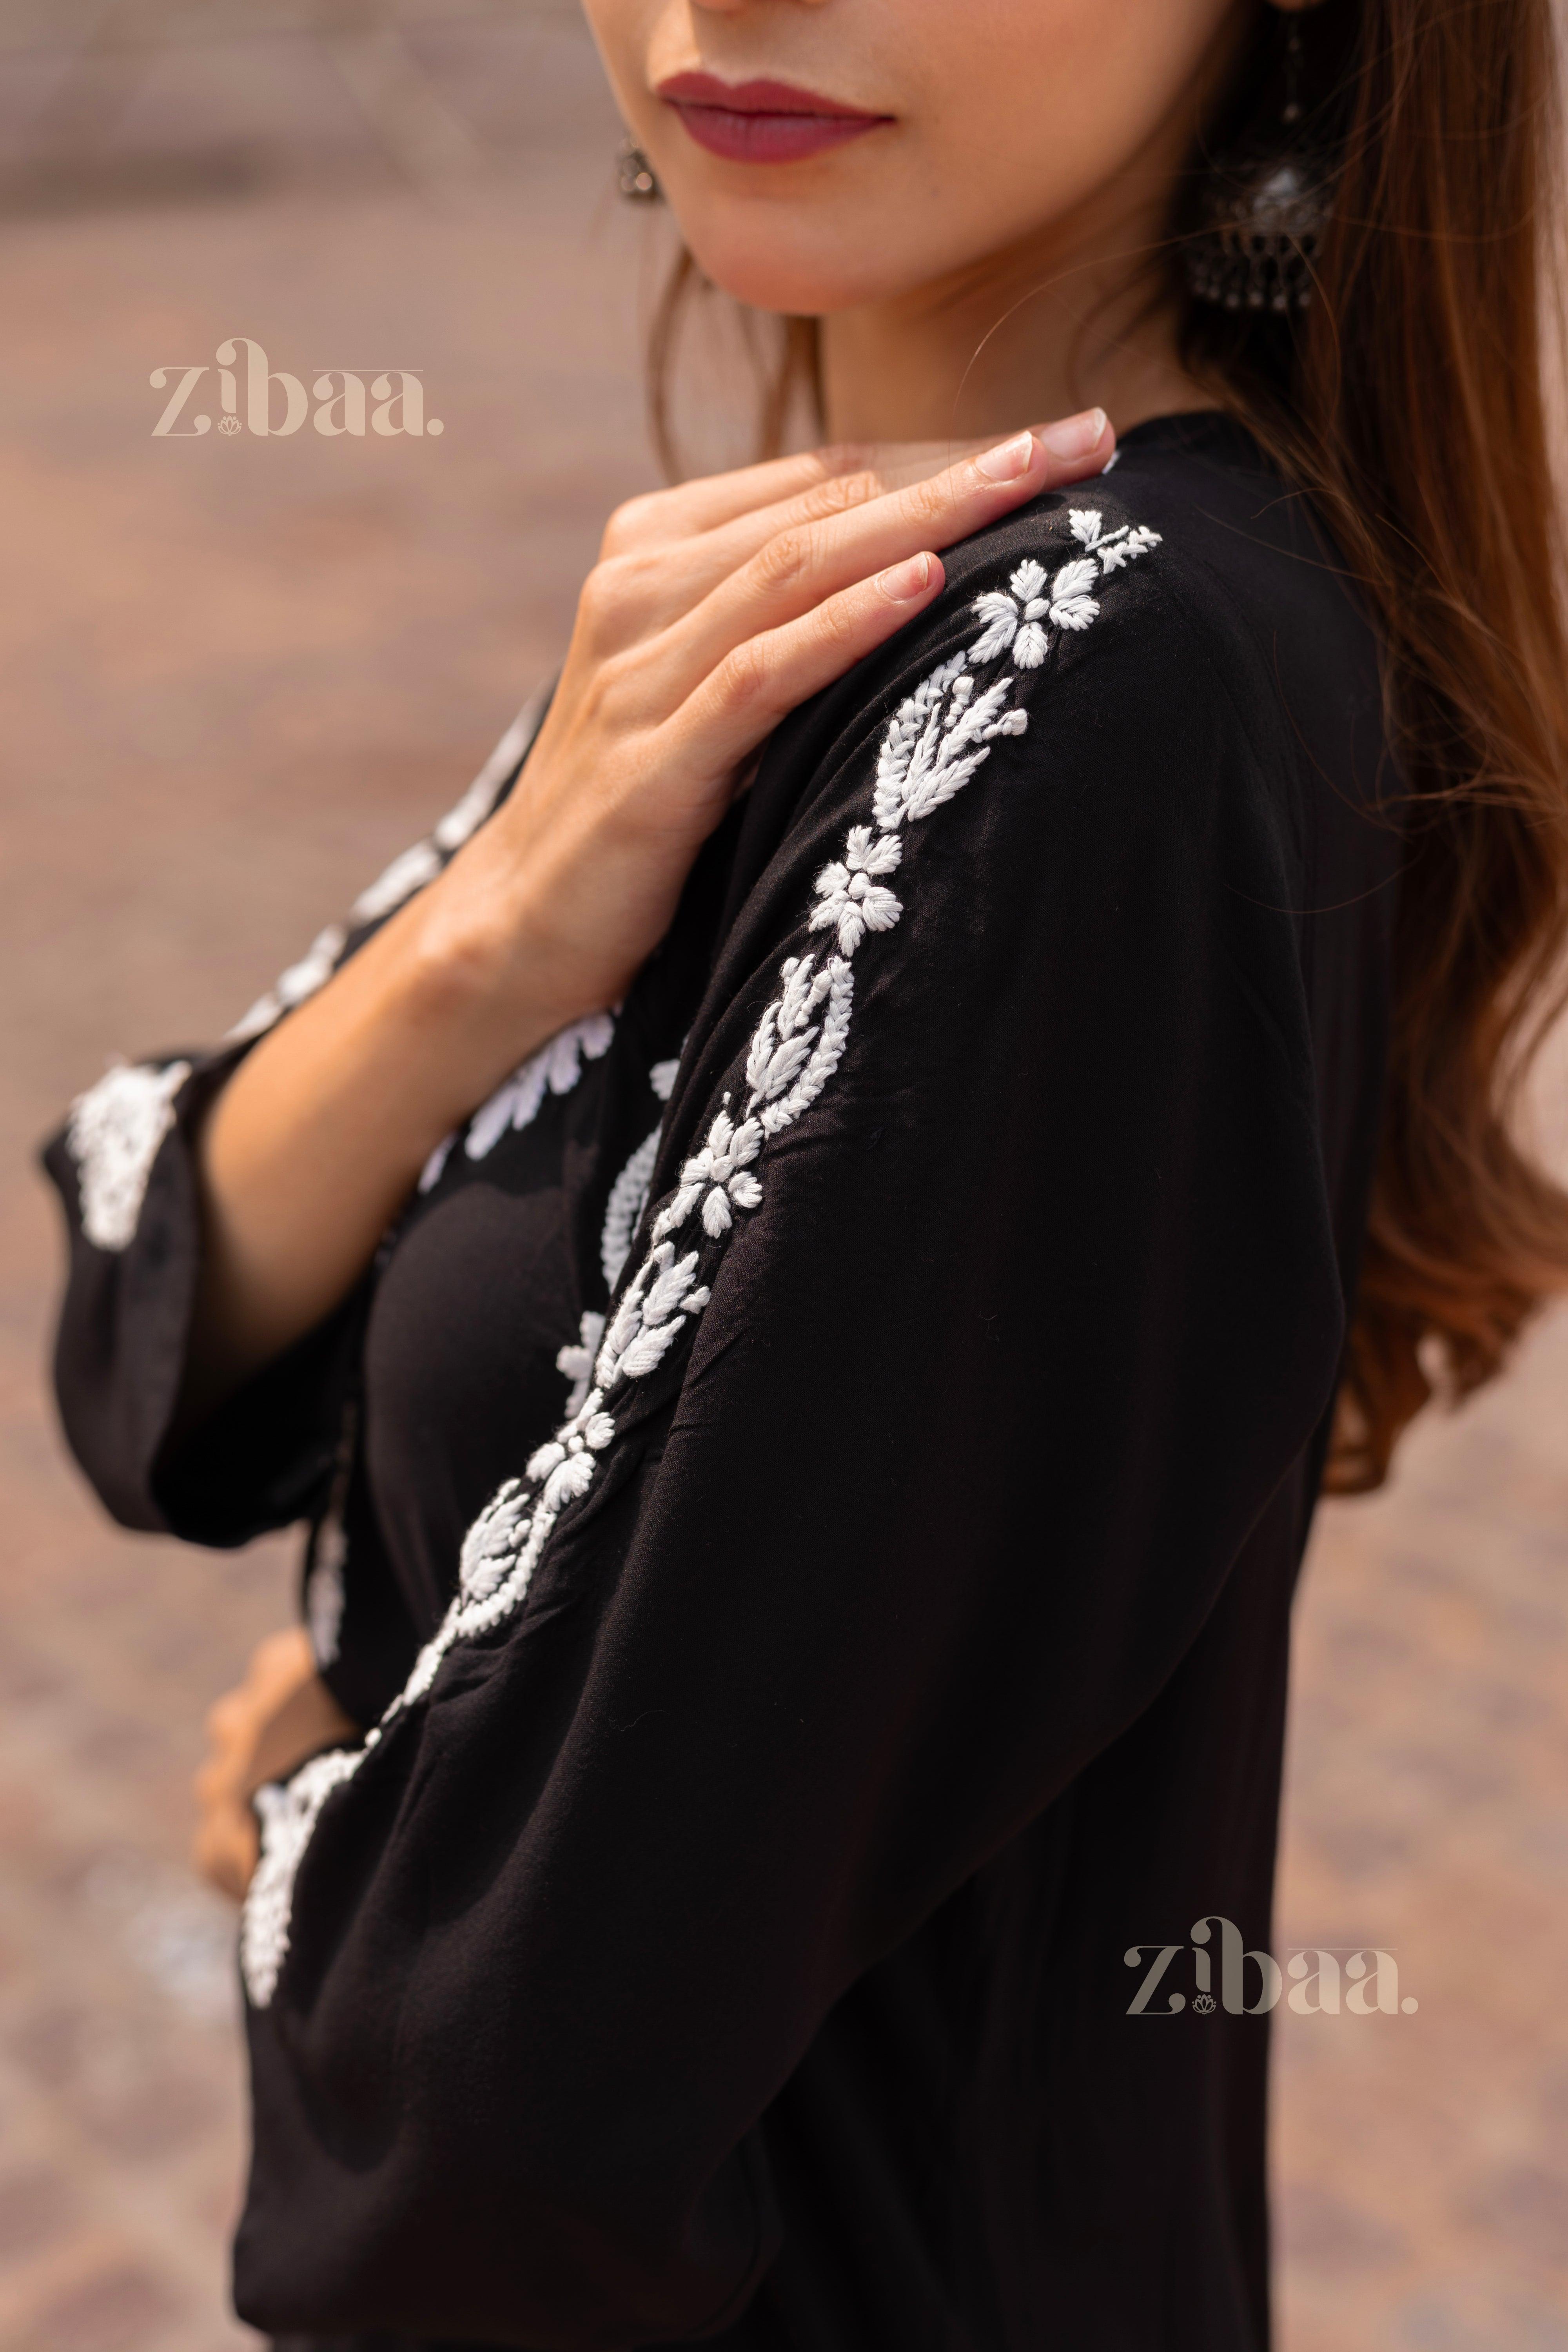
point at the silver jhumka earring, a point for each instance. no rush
(1262, 211)
(634, 176)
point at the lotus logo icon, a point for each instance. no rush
(1203, 2002)
(229, 424)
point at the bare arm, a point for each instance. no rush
(715, 610)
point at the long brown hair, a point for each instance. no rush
(1409, 401)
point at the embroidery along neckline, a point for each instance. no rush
(409, 871)
(931, 749)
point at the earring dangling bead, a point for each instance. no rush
(635, 175)
(1264, 211)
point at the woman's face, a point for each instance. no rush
(823, 154)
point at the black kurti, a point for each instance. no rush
(792, 1701)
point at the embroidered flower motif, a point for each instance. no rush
(719, 1176)
(1013, 621)
(114, 1135)
(577, 1359)
(853, 901)
(1016, 621)
(566, 1464)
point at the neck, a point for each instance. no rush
(1077, 318)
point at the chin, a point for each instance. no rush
(771, 266)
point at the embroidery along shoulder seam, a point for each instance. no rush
(930, 750)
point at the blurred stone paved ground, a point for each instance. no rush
(235, 676)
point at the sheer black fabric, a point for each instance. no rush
(726, 1942)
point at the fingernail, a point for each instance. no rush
(902, 581)
(1008, 459)
(1076, 437)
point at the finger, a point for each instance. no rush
(226, 1850)
(737, 706)
(1075, 446)
(652, 586)
(803, 567)
(659, 516)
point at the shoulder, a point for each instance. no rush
(1097, 749)
(1099, 647)
(1216, 594)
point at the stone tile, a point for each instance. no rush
(126, 2308)
(36, 2208)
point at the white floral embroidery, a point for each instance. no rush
(409, 871)
(719, 1176)
(941, 735)
(622, 1211)
(1018, 620)
(557, 1068)
(577, 1359)
(1117, 547)
(490, 1544)
(566, 1464)
(287, 1816)
(435, 1168)
(477, 802)
(931, 748)
(302, 980)
(853, 901)
(629, 1199)
(661, 1297)
(324, 1594)
(114, 1133)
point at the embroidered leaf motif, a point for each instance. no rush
(491, 1544)
(1072, 606)
(671, 1287)
(577, 1359)
(1126, 545)
(555, 1068)
(1001, 617)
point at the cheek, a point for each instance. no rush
(625, 33)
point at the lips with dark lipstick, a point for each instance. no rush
(762, 121)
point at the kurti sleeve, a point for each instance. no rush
(985, 1296)
(125, 1166)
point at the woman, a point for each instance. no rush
(800, 1252)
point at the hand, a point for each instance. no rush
(715, 609)
(281, 1713)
